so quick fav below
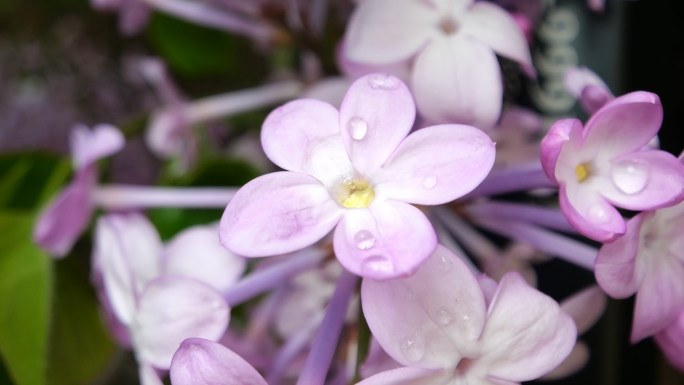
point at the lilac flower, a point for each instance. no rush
(647, 261)
(69, 213)
(607, 164)
(355, 170)
(455, 74)
(156, 302)
(455, 337)
(671, 342)
(202, 362)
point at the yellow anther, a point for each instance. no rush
(355, 194)
(582, 172)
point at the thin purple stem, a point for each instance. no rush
(544, 216)
(294, 345)
(558, 245)
(320, 357)
(446, 222)
(217, 106)
(272, 276)
(512, 179)
(116, 197)
(197, 12)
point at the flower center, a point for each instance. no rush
(582, 172)
(354, 193)
(448, 25)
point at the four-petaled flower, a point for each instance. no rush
(455, 75)
(358, 171)
(608, 163)
(440, 326)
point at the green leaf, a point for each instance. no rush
(25, 282)
(80, 346)
(197, 51)
(27, 180)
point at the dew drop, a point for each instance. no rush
(630, 176)
(383, 82)
(377, 264)
(364, 240)
(358, 128)
(430, 182)
(348, 181)
(444, 317)
(446, 262)
(413, 348)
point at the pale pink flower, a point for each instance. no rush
(161, 296)
(671, 342)
(357, 171)
(647, 261)
(456, 337)
(68, 214)
(607, 163)
(452, 46)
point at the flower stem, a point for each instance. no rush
(116, 197)
(558, 245)
(512, 179)
(272, 276)
(547, 217)
(320, 357)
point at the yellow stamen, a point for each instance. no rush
(582, 172)
(355, 194)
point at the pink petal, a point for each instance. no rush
(387, 31)
(577, 359)
(585, 307)
(202, 362)
(551, 145)
(578, 78)
(436, 165)
(616, 266)
(526, 334)
(66, 217)
(645, 180)
(419, 328)
(671, 342)
(493, 26)
(594, 98)
(387, 240)
(171, 310)
(88, 146)
(278, 213)
(197, 253)
(304, 136)
(660, 298)
(625, 124)
(407, 376)
(457, 80)
(127, 256)
(376, 115)
(591, 214)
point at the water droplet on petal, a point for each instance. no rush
(348, 181)
(377, 264)
(383, 82)
(413, 348)
(444, 317)
(358, 128)
(630, 176)
(446, 262)
(364, 240)
(430, 182)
